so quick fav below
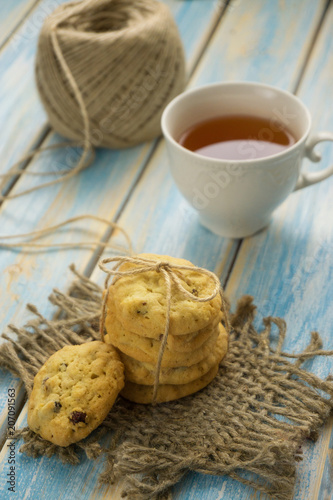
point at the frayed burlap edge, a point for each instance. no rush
(228, 428)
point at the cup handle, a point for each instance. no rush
(306, 179)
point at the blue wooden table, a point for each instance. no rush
(287, 267)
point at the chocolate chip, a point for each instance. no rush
(78, 416)
(144, 303)
(57, 406)
(44, 383)
(194, 291)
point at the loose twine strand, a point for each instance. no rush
(35, 235)
(84, 162)
(168, 271)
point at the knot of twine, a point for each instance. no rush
(168, 270)
(105, 70)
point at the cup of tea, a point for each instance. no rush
(236, 151)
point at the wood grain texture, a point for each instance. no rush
(66, 482)
(101, 190)
(267, 42)
(10, 382)
(11, 15)
(22, 118)
(288, 267)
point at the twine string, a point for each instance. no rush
(169, 272)
(36, 235)
(81, 100)
(78, 96)
(166, 331)
(251, 435)
(85, 160)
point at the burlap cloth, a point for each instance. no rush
(252, 418)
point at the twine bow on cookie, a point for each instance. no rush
(169, 272)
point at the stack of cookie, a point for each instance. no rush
(135, 323)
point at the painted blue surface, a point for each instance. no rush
(64, 481)
(288, 268)
(11, 15)
(8, 384)
(22, 118)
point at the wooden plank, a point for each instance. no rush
(60, 481)
(288, 268)
(182, 231)
(264, 35)
(11, 15)
(11, 383)
(240, 44)
(22, 118)
(100, 190)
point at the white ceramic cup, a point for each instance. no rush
(236, 198)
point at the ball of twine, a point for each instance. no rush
(106, 69)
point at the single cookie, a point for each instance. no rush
(144, 373)
(140, 300)
(192, 341)
(148, 350)
(178, 343)
(166, 392)
(74, 391)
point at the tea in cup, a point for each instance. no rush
(236, 151)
